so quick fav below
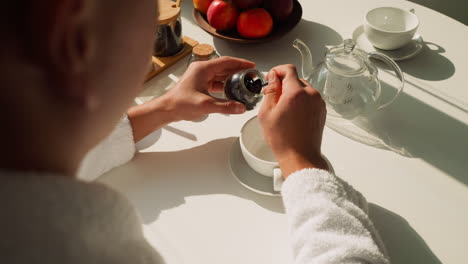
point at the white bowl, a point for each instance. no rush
(390, 28)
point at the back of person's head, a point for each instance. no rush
(69, 68)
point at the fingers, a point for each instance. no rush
(226, 66)
(313, 92)
(288, 75)
(273, 91)
(216, 87)
(308, 88)
(216, 71)
(222, 106)
(220, 78)
(304, 83)
(286, 72)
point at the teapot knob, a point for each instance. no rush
(349, 45)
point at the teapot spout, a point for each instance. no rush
(307, 64)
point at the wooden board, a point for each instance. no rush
(161, 63)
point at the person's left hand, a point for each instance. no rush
(190, 99)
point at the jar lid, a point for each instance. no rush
(203, 50)
(168, 11)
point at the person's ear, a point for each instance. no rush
(68, 42)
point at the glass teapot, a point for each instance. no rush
(347, 79)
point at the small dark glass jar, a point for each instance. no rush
(245, 87)
(169, 38)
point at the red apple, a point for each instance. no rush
(222, 15)
(255, 23)
(247, 4)
(280, 9)
(202, 5)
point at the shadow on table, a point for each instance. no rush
(430, 64)
(162, 82)
(277, 52)
(403, 243)
(187, 12)
(413, 128)
(158, 181)
(149, 140)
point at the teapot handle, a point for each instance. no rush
(397, 70)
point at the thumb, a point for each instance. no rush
(273, 91)
(228, 107)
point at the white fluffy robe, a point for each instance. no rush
(54, 219)
(328, 221)
(115, 150)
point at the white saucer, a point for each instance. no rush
(409, 51)
(249, 178)
(246, 176)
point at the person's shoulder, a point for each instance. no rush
(52, 186)
(48, 195)
(55, 216)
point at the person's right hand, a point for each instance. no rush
(293, 117)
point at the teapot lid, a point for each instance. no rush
(345, 59)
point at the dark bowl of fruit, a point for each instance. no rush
(247, 21)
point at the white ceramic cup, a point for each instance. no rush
(257, 153)
(390, 28)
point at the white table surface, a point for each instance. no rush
(194, 211)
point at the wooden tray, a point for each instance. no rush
(279, 29)
(161, 63)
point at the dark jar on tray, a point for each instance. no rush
(169, 39)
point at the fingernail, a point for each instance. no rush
(271, 77)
